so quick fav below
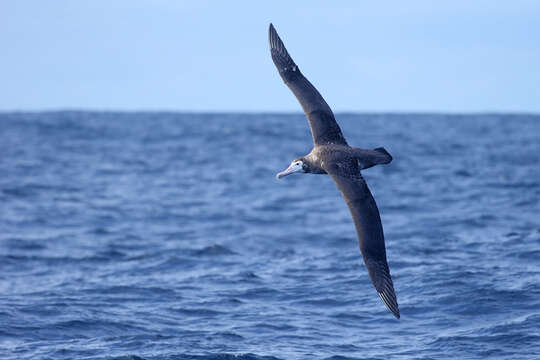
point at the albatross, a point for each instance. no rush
(333, 156)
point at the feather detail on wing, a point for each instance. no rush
(369, 229)
(322, 122)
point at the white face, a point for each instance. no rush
(295, 166)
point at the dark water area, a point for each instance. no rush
(166, 236)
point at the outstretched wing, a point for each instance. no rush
(324, 127)
(368, 225)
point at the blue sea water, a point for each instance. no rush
(166, 236)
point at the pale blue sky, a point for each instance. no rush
(457, 56)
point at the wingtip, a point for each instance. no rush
(396, 314)
(271, 30)
(272, 36)
(391, 303)
(280, 55)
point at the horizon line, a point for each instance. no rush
(272, 112)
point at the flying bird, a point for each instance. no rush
(333, 156)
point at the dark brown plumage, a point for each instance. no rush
(333, 156)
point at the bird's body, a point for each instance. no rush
(333, 156)
(346, 156)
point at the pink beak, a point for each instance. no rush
(286, 172)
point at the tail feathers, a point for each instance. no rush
(368, 158)
(386, 157)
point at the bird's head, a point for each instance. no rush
(298, 165)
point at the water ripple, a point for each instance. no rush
(166, 236)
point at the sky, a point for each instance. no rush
(213, 56)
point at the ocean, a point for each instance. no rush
(167, 236)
